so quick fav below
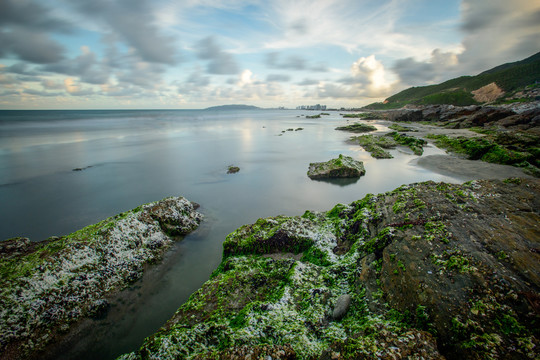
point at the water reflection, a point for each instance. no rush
(339, 181)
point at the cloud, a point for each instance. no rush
(134, 22)
(292, 62)
(31, 15)
(51, 84)
(371, 74)
(220, 61)
(495, 32)
(278, 78)
(413, 72)
(368, 79)
(42, 93)
(75, 89)
(195, 82)
(275, 60)
(20, 68)
(308, 82)
(85, 66)
(30, 46)
(498, 31)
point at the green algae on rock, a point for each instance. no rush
(47, 286)
(422, 266)
(357, 128)
(232, 169)
(342, 167)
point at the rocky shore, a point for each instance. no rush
(48, 286)
(507, 135)
(429, 270)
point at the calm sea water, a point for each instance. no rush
(134, 157)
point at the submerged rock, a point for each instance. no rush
(342, 167)
(431, 270)
(47, 286)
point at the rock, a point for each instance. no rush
(233, 169)
(342, 167)
(357, 128)
(405, 115)
(60, 280)
(342, 306)
(437, 271)
(98, 309)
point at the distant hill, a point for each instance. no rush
(233, 107)
(510, 78)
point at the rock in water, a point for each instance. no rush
(233, 169)
(342, 167)
(342, 306)
(47, 286)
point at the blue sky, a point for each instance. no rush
(102, 54)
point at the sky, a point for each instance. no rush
(191, 54)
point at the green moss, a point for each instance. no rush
(453, 260)
(364, 116)
(266, 236)
(399, 128)
(316, 256)
(436, 230)
(487, 149)
(415, 144)
(357, 127)
(379, 242)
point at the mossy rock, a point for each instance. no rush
(433, 271)
(357, 128)
(342, 167)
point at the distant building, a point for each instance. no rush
(311, 107)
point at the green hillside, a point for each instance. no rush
(510, 77)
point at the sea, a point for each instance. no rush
(63, 170)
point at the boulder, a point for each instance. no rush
(61, 280)
(430, 270)
(342, 167)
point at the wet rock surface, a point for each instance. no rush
(432, 270)
(507, 135)
(342, 167)
(47, 286)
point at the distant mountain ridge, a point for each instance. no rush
(509, 79)
(233, 107)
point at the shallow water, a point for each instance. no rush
(135, 157)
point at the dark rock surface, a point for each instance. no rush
(433, 271)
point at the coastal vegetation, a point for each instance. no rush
(357, 128)
(511, 78)
(376, 144)
(505, 149)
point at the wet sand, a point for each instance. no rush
(466, 170)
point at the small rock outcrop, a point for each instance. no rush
(429, 271)
(357, 128)
(49, 285)
(232, 169)
(342, 167)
